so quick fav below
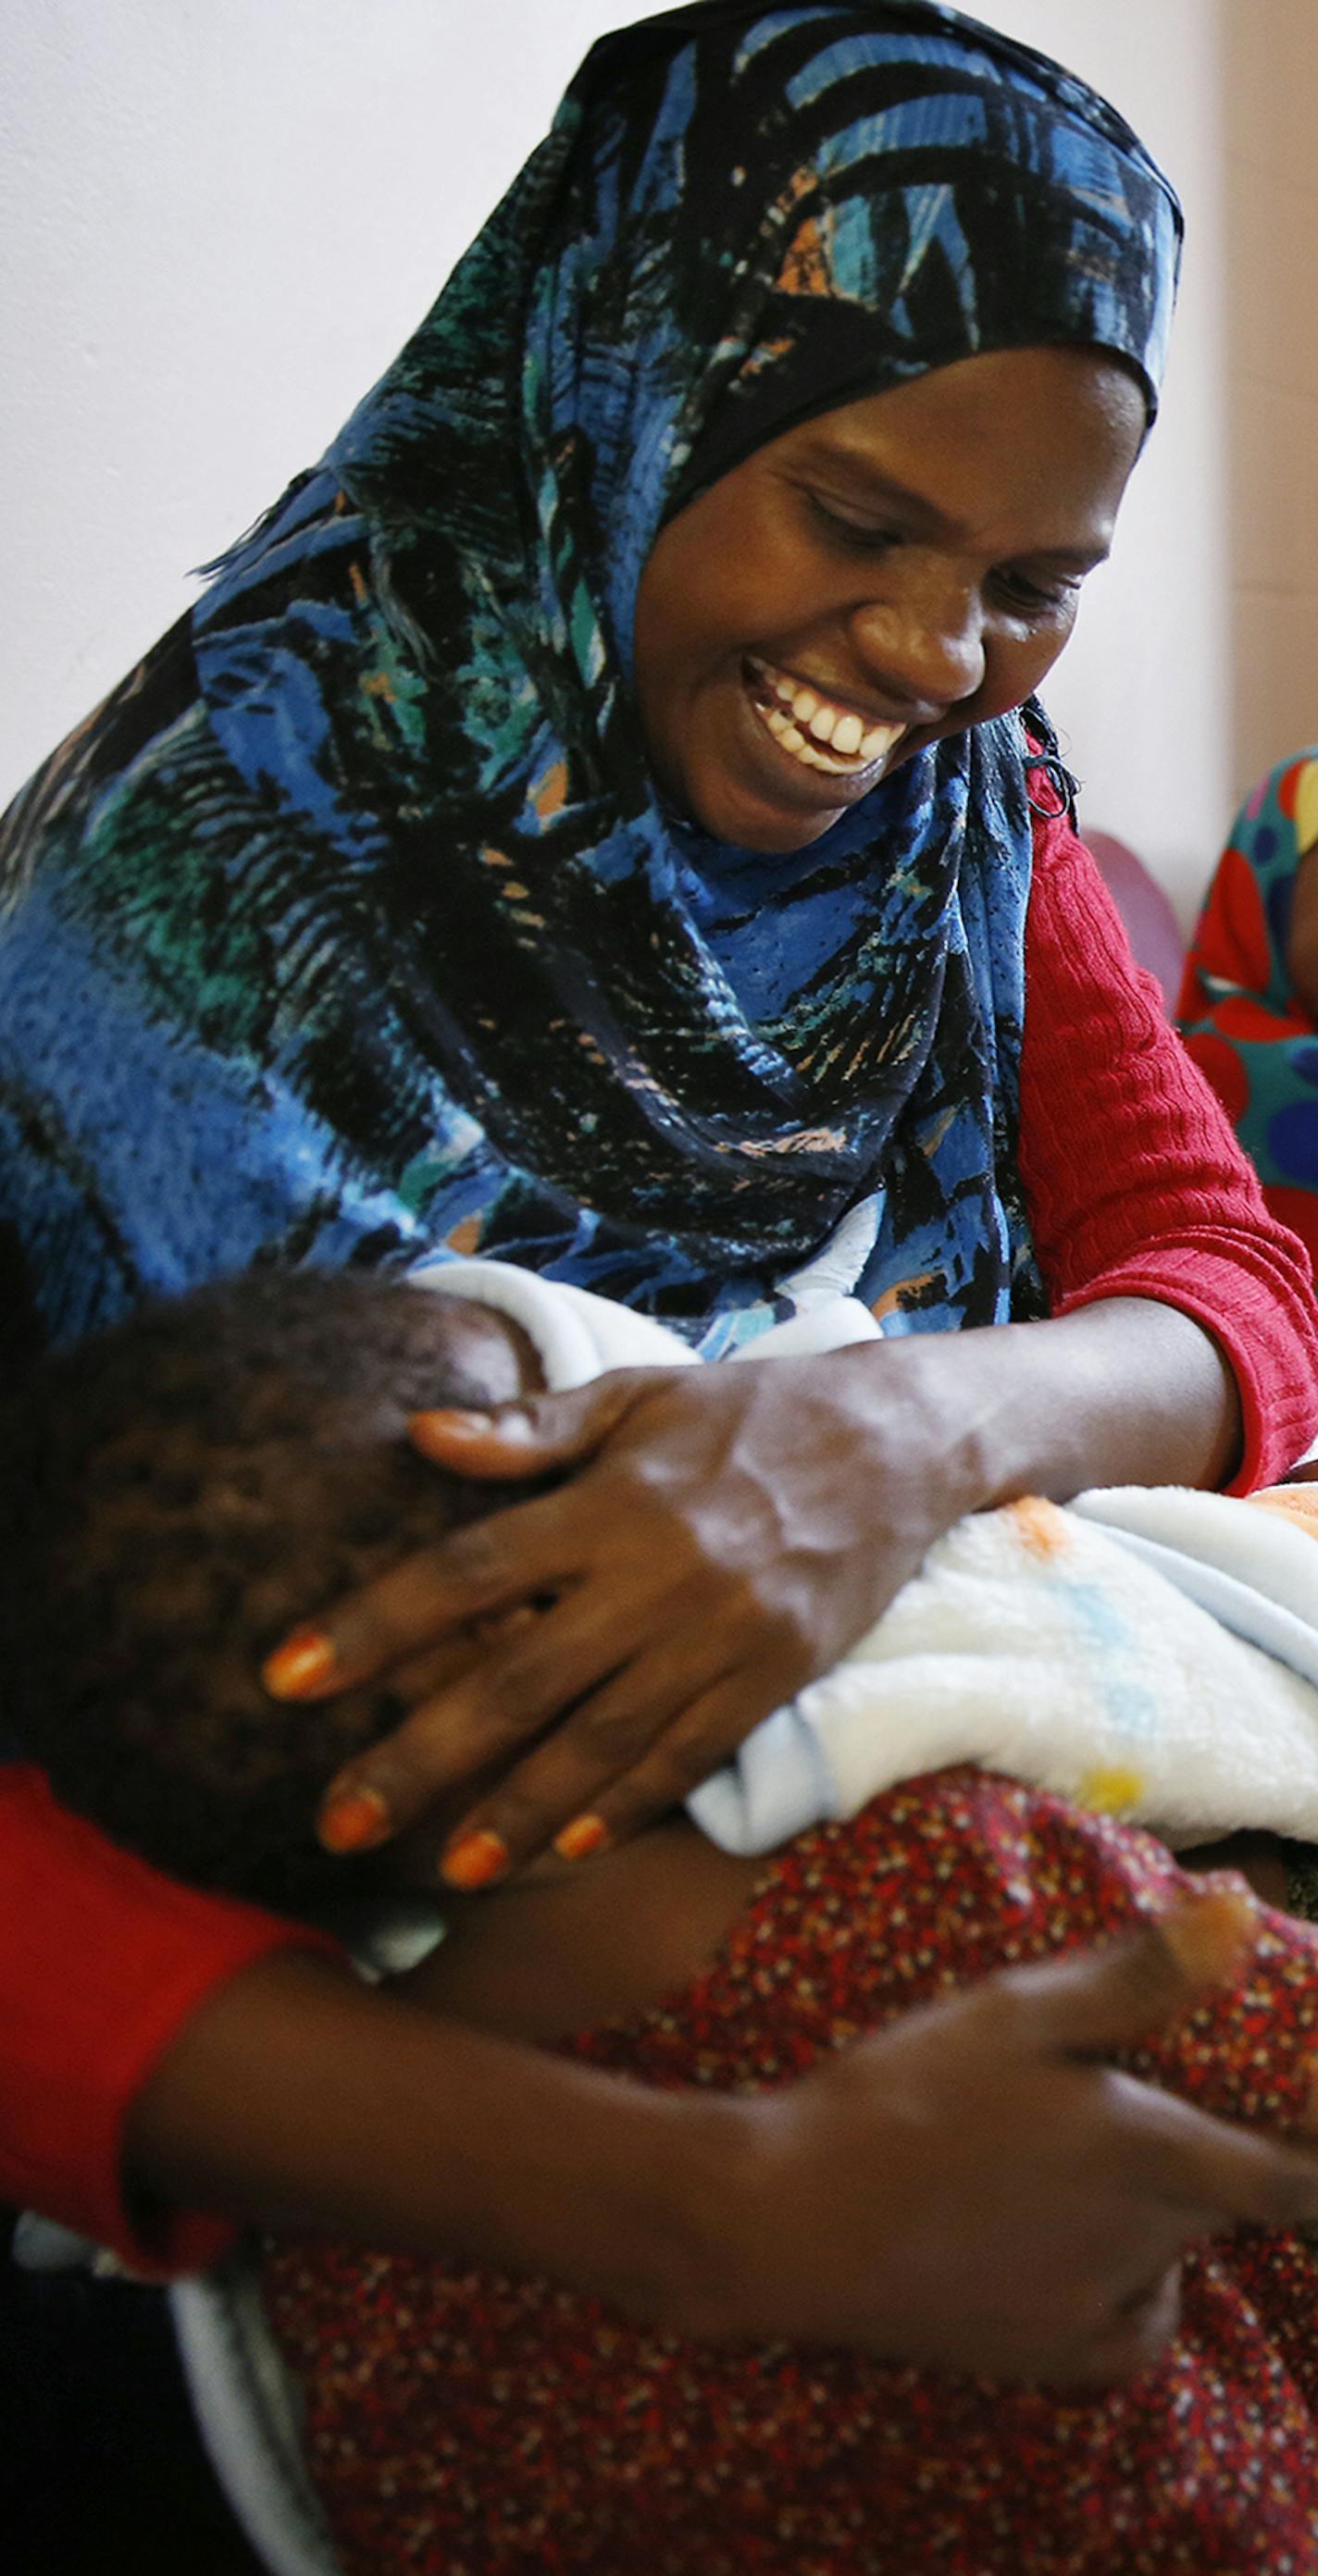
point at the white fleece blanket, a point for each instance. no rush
(1151, 1651)
(1034, 1642)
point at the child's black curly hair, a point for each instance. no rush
(179, 1492)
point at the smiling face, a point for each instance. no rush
(883, 575)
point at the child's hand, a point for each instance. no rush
(1027, 2204)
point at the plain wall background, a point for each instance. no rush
(221, 218)
(1270, 70)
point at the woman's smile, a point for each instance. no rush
(818, 729)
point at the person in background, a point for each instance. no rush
(1248, 1007)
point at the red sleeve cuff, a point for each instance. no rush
(1273, 1436)
(104, 1961)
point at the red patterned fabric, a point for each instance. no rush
(481, 2426)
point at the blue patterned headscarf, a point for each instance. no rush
(383, 939)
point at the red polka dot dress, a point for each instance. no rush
(480, 2426)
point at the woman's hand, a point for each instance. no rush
(1000, 2200)
(725, 1536)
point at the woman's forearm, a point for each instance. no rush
(297, 2098)
(1124, 1391)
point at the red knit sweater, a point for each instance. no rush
(1135, 1187)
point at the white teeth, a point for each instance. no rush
(798, 706)
(783, 730)
(799, 744)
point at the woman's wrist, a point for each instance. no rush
(1144, 1392)
(1123, 1391)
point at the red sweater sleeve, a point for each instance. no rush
(1134, 1181)
(103, 1961)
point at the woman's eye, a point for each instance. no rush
(1026, 598)
(850, 532)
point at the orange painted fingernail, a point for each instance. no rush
(449, 1422)
(585, 1834)
(449, 1417)
(476, 1861)
(354, 1822)
(303, 1663)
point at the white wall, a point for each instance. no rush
(1272, 390)
(220, 218)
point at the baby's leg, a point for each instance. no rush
(455, 2419)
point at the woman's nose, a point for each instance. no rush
(922, 642)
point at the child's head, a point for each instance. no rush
(182, 1490)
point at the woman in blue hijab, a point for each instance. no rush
(372, 863)
(600, 819)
